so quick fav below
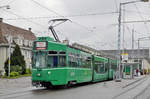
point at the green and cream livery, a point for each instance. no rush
(55, 63)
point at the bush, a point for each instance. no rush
(17, 59)
(14, 74)
(16, 69)
(28, 71)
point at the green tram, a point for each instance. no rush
(56, 64)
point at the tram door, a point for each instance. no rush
(55, 60)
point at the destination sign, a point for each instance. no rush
(41, 45)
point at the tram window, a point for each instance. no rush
(40, 59)
(99, 67)
(106, 67)
(102, 68)
(69, 60)
(82, 63)
(62, 52)
(85, 62)
(78, 62)
(55, 61)
(52, 52)
(52, 61)
(72, 61)
(62, 61)
(96, 67)
(114, 66)
(88, 62)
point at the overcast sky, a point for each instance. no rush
(91, 24)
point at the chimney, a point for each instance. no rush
(1, 20)
(30, 29)
(66, 42)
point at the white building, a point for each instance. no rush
(24, 38)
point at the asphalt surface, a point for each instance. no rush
(127, 89)
(145, 93)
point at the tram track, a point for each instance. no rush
(16, 94)
(142, 92)
(133, 82)
(137, 83)
(31, 91)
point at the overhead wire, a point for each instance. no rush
(128, 31)
(11, 1)
(47, 8)
(86, 28)
(4, 1)
(25, 19)
(78, 24)
(28, 19)
(8, 2)
(47, 17)
(146, 27)
(135, 11)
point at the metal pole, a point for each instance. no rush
(123, 34)
(119, 37)
(9, 55)
(138, 43)
(119, 42)
(138, 54)
(132, 38)
(6, 6)
(132, 44)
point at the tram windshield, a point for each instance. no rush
(39, 59)
(50, 59)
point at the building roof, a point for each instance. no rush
(93, 51)
(132, 53)
(7, 29)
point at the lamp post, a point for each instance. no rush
(10, 40)
(118, 74)
(8, 7)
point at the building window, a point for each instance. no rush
(25, 54)
(29, 54)
(20, 42)
(26, 42)
(30, 43)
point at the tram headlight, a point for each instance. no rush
(49, 72)
(39, 74)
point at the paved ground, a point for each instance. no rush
(9, 85)
(127, 89)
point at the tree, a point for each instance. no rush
(16, 59)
